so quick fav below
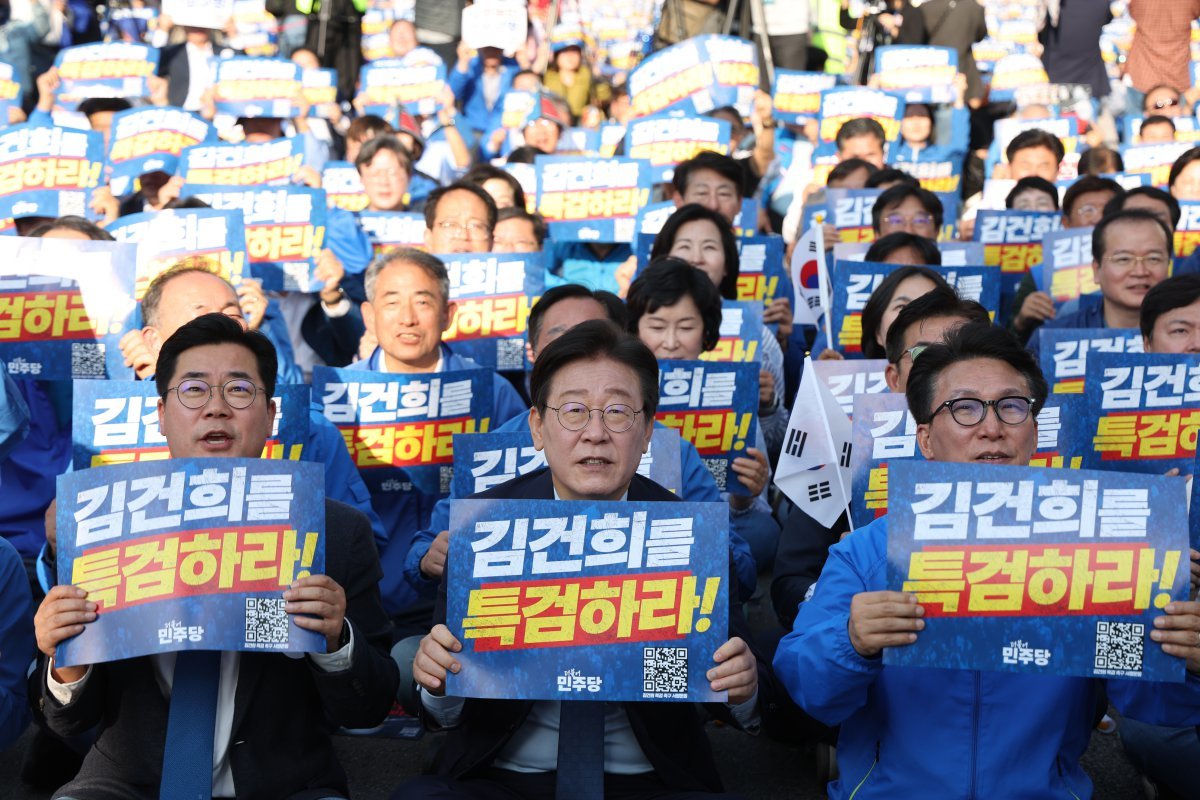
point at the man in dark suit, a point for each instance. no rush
(274, 714)
(595, 391)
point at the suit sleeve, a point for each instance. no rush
(16, 644)
(361, 696)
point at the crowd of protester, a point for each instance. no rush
(890, 731)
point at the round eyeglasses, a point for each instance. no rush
(195, 393)
(618, 417)
(970, 411)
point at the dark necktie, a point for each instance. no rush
(191, 723)
(580, 751)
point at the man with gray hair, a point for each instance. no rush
(408, 308)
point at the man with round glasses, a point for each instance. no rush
(459, 218)
(595, 391)
(909, 732)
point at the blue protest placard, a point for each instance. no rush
(919, 73)
(850, 212)
(285, 230)
(206, 237)
(1012, 240)
(47, 171)
(256, 30)
(848, 378)
(377, 23)
(741, 333)
(854, 282)
(343, 186)
(1060, 444)
(936, 176)
(1153, 160)
(388, 230)
(64, 305)
(677, 77)
(320, 87)
(590, 199)
(150, 139)
(1144, 414)
(580, 142)
(1187, 232)
(736, 78)
(399, 428)
(1013, 72)
(588, 600)
(189, 554)
(105, 69)
(485, 460)
(272, 163)
(842, 104)
(762, 275)
(1064, 353)
(1037, 571)
(884, 432)
(10, 91)
(797, 95)
(1066, 272)
(666, 141)
(714, 406)
(492, 293)
(116, 422)
(245, 86)
(391, 82)
(515, 108)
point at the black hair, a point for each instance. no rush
(435, 197)
(724, 166)
(482, 173)
(890, 175)
(1176, 292)
(1154, 193)
(942, 302)
(1036, 137)
(882, 248)
(1097, 160)
(215, 328)
(367, 127)
(844, 169)
(971, 341)
(898, 194)
(730, 115)
(1155, 88)
(98, 105)
(185, 202)
(1035, 183)
(1089, 183)
(617, 313)
(73, 223)
(525, 154)
(588, 341)
(1155, 119)
(384, 141)
(535, 219)
(881, 298)
(1128, 215)
(665, 282)
(691, 212)
(1181, 163)
(860, 126)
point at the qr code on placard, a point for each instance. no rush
(1120, 645)
(510, 353)
(87, 360)
(665, 670)
(719, 469)
(266, 621)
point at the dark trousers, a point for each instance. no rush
(502, 784)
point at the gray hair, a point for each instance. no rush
(430, 264)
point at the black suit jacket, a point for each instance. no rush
(670, 734)
(173, 65)
(285, 709)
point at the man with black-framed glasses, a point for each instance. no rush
(942, 732)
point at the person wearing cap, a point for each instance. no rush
(569, 76)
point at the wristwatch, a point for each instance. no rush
(341, 296)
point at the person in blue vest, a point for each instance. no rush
(927, 732)
(480, 81)
(408, 308)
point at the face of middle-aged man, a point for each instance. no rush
(385, 181)
(714, 191)
(908, 216)
(592, 463)
(1136, 259)
(561, 317)
(461, 225)
(991, 441)
(407, 317)
(1156, 207)
(1034, 200)
(1039, 161)
(868, 148)
(187, 296)
(515, 235)
(1176, 331)
(216, 428)
(1088, 209)
(926, 332)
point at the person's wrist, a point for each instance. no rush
(333, 297)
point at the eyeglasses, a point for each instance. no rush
(1161, 104)
(970, 411)
(472, 230)
(899, 219)
(237, 393)
(618, 417)
(383, 174)
(1151, 260)
(913, 352)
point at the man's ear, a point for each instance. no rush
(368, 316)
(448, 315)
(923, 442)
(152, 339)
(891, 375)
(535, 428)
